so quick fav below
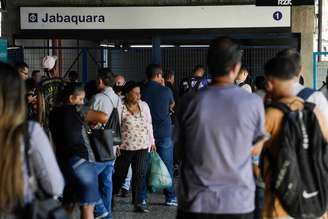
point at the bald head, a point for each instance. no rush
(119, 80)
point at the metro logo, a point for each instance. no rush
(58, 18)
(285, 2)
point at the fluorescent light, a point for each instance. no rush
(141, 46)
(14, 47)
(150, 46)
(107, 45)
(194, 46)
(167, 46)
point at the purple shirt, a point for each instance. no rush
(216, 129)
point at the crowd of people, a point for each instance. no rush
(243, 150)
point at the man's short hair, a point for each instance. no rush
(281, 68)
(198, 67)
(223, 54)
(152, 70)
(294, 56)
(34, 72)
(243, 68)
(107, 76)
(20, 65)
(168, 74)
(73, 75)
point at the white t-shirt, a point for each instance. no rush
(324, 91)
(247, 88)
(317, 98)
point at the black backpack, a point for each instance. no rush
(300, 170)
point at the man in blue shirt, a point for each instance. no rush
(160, 101)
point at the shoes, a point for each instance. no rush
(102, 216)
(141, 209)
(124, 193)
(172, 203)
(144, 202)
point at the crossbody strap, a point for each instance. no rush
(29, 166)
(118, 100)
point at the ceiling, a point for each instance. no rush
(125, 2)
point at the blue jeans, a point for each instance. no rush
(165, 151)
(259, 202)
(127, 181)
(105, 172)
(82, 180)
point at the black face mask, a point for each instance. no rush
(118, 89)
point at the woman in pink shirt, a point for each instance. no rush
(137, 140)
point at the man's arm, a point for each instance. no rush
(94, 117)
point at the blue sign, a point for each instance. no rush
(3, 50)
(277, 15)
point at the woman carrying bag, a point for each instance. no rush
(73, 149)
(137, 139)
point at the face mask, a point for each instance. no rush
(118, 89)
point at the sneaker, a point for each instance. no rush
(144, 202)
(102, 216)
(171, 202)
(124, 193)
(141, 209)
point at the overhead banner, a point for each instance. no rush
(168, 17)
(283, 2)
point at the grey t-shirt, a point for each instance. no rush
(106, 101)
(216, 129)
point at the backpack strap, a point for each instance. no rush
(309, 106)
(27, 150)
(281, 106)
(305, 93)
(241, 84)
(110, 100)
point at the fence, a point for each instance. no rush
(320, 69)
(132, 62)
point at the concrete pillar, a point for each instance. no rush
(156, 50)
(303, 18)
(10, 22)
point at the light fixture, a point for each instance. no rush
(150, 46)
(107, 45)
(194, 46)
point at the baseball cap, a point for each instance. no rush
(48, 62)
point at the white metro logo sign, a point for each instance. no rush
(285, 2)
(58, 18)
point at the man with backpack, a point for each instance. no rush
(294, 160)
(105, 101)
(307, 94)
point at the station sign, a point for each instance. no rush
(283, 2)
(166, 17)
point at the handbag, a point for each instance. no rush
(102, 140)
(43, 206)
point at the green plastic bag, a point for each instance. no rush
(159, 177)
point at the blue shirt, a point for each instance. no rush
(159, 99)
(215, 131)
